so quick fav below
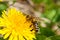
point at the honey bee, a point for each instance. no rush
(34, 23)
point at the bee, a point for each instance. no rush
(34, 23)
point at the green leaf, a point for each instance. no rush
(55, 37)
(3, 7)
(48, 38)
(50, 14)
(40, 37)
(57, 17)
(47, 32)
(1, 39)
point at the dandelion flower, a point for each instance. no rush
(15, 26)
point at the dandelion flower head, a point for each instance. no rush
(15, 25)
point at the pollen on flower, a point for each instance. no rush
(16, 26)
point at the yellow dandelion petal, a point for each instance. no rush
(15, 38)
(21, 37)
(2, 23)
(27, 36)
(4, 31)
(11, 37)
(6, 35)
(4, 15)
(15, 25)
